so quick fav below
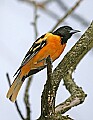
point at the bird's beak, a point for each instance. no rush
(74, 31)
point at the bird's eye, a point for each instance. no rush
(66, 28)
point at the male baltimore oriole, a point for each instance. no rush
(51, 44)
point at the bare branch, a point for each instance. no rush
(64, 70)
(69, 63)
(49, 12)
(42, 6)
(47, 2)
(26, 96)
(48, 95)
(67, 14)
(8, 79)
(77, 95)
(26, 99)
(51, 94)
(35, 20)
(49, 67)
(75, 16)
(16, 103)
(17, 107)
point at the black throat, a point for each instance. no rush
(63, 40)
(64, 37)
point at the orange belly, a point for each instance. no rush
(53, 49)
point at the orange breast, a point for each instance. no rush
(54, 48)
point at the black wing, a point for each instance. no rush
(36, 47)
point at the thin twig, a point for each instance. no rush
(62, 5)
(42, 6)
(8, 79)
(67, 14)
(77, 17)
(35, 20)
(47, 2)
(26, 98)
(49, 12)
(16, 103)
(17, 107)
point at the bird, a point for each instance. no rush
(50, 44)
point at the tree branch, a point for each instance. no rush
(69, 63)
(65, 69)
(66, 15)
(26, 99)
(76, 98)
(42, 6)
(75, 16)
(73, 57)
(48, 95)
(35, 20)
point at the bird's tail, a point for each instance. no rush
(14, 89)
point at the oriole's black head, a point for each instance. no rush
(65, 33)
